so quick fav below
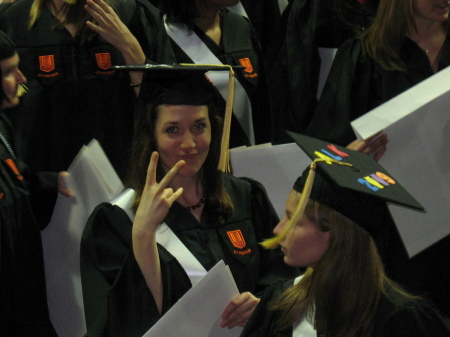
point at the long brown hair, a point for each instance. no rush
(383, 39)
(217, 198)
(341, 294)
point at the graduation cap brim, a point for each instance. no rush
(174, 70)
(363, 176)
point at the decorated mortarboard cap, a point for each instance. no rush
(186, 84)
(355, 172)
(352, 183)
(7, 47)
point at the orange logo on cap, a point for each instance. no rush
(237, 239)
(47, 63)
(14, 168)
(103, 60)
(245, 62)
(2, 195)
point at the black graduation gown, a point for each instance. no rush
(116, 299)
(239, 41)
(357, 84)
(397, 317)
(293, 61)
(26, 204)
(73, 96)
(264, 16)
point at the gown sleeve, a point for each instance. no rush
(148, 27)
(345, 96)
(42, 186)
(117, 301)
(263, 322)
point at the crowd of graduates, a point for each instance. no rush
(302, 67)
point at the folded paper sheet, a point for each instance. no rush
(197, 313)
(417, 123)
(92, 180)
(276, 167)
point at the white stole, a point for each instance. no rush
(166, 238)
(303, 328)
(199, 53)
(327, 57)
(239, 9)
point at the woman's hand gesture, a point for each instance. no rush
(156, 197)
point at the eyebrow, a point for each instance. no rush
(176, 122)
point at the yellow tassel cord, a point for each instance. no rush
(224, 161)
(273, 242)
(22, 90)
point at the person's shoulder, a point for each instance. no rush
(241, 182)
(423, 317)
(8, 10)
(235, 17)
(107, 216)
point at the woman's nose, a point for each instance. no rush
(21, 77)
(279, 227)
(187, 142)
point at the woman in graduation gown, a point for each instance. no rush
(344, 292)
(407, 43)
(228, 38)
(300, 53)
(131, 271)
(74, 96)
(26, 205)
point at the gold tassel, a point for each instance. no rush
(224, 161)
(22, 90)
(296, 217)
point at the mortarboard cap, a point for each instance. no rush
(186, 84)
(350, 182)
(365, 176)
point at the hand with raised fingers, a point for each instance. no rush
(156, 197)
(374, 146)
(239, 310)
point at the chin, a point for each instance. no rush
(11, 103)
(189, 171)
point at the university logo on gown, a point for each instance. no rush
(47, 63)
(237, 239)
(245, 62)
(103, 60)
(13, 167)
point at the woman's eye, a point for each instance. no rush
(171, 129)
(199, 126)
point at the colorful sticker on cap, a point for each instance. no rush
(237, 239)
(47, 63)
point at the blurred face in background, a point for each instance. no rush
(11, 78)
(431, 10)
